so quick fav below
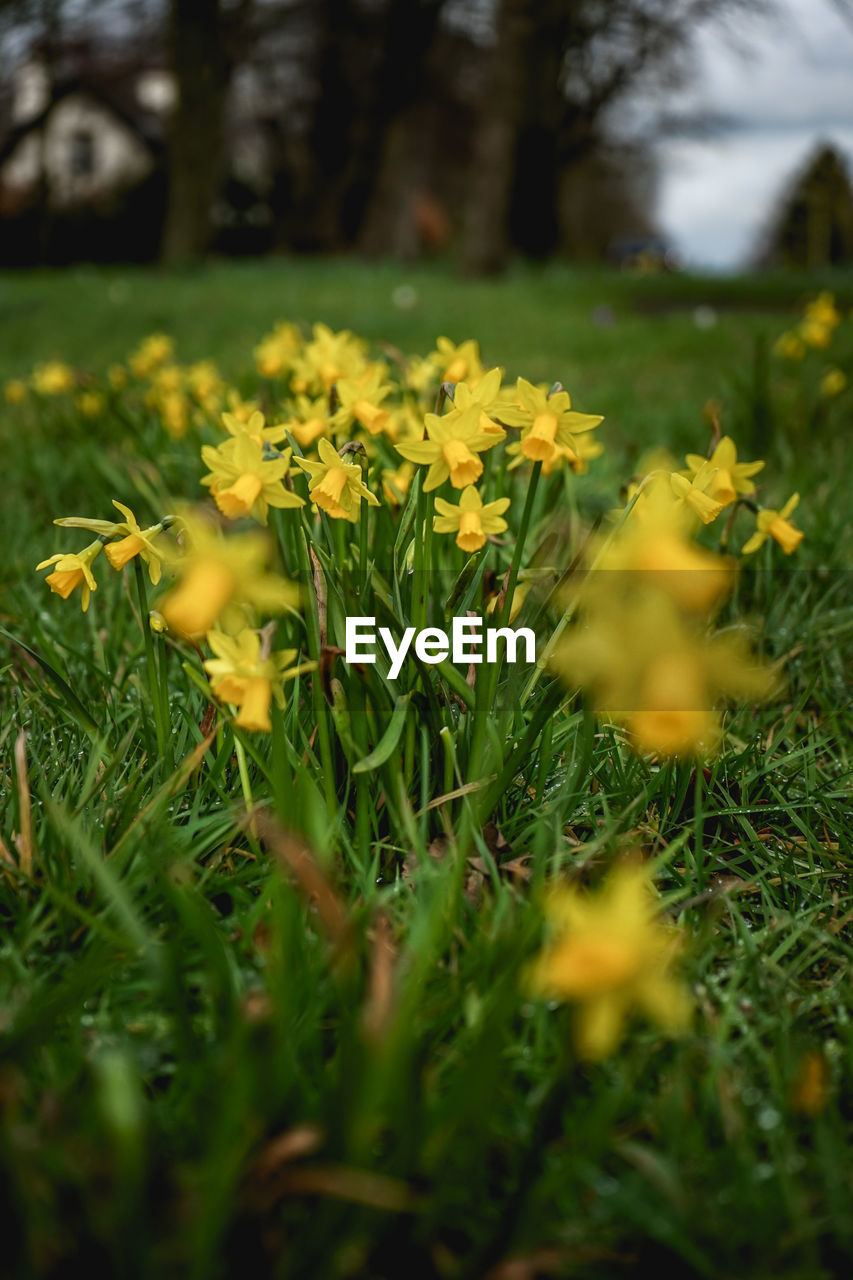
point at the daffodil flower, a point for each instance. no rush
(546, 421)
(52, 379)
(253, 424)
(335, 485)
(609, 954)
(218, 575)
(73, 570)
(309, 420)
(241, 675)
(451, 449)
(471, 520)
(275, 354)
(135, 541)
(693, 492)
(487, 394)
(776, 525)
(328, 358)
(729, 477)
(457, 363)
(361, 401)
(243, 482)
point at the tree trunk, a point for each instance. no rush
(485, 245)
(201, 70)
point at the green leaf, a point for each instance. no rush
(386, 744)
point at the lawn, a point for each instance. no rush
(269, 998)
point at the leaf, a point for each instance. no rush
(386, 744)
(66, 693)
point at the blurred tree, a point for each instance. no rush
(813, 225)
(202, 66)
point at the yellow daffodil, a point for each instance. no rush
(789, 346)
(254, 426)
(174, 410)
(546, 421)
(833, 383)
(452, 448)
(729, 477)
(819, 320)
(275, 354)
(396, 484)
(653, 550)
(90, 404)
(457, 363)
(133, 542)
(53, 379)
(204, 381)
(776, 525)
(487, 394)
(15, 391)
(650, 671)
(610, 954)
(218, 576)
(336, 485)
(155, 350)
(309, 420)
(239, 408)
(693, 492)
(471, 520)
(328, 358)
(73, 570)
(243, 482)
(361, 401)
(243, 676)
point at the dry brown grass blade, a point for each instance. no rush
(302, 1140)
(359, 1186)
(298, 859)
(379, 1006)
(24, 839)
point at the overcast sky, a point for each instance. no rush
(793, 90)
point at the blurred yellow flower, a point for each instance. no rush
(218, 574)
(52, 379)
(833, 382)
(790, 346)
(776, 525)
(360, 401)
(90, 404)
(15, 391)
(309, 420)
(610, 954)
(471, 520)
(73, 570)
(457, 363)
(153, 351)
(275, 354)
(253, 425)
(327, 358)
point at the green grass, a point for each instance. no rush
(201, 1074)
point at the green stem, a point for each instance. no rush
(312, 623)
(160, 723)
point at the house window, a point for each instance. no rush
(82, 153)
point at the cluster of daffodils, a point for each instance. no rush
(816, 335)
(644, 646)
(339, 451)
